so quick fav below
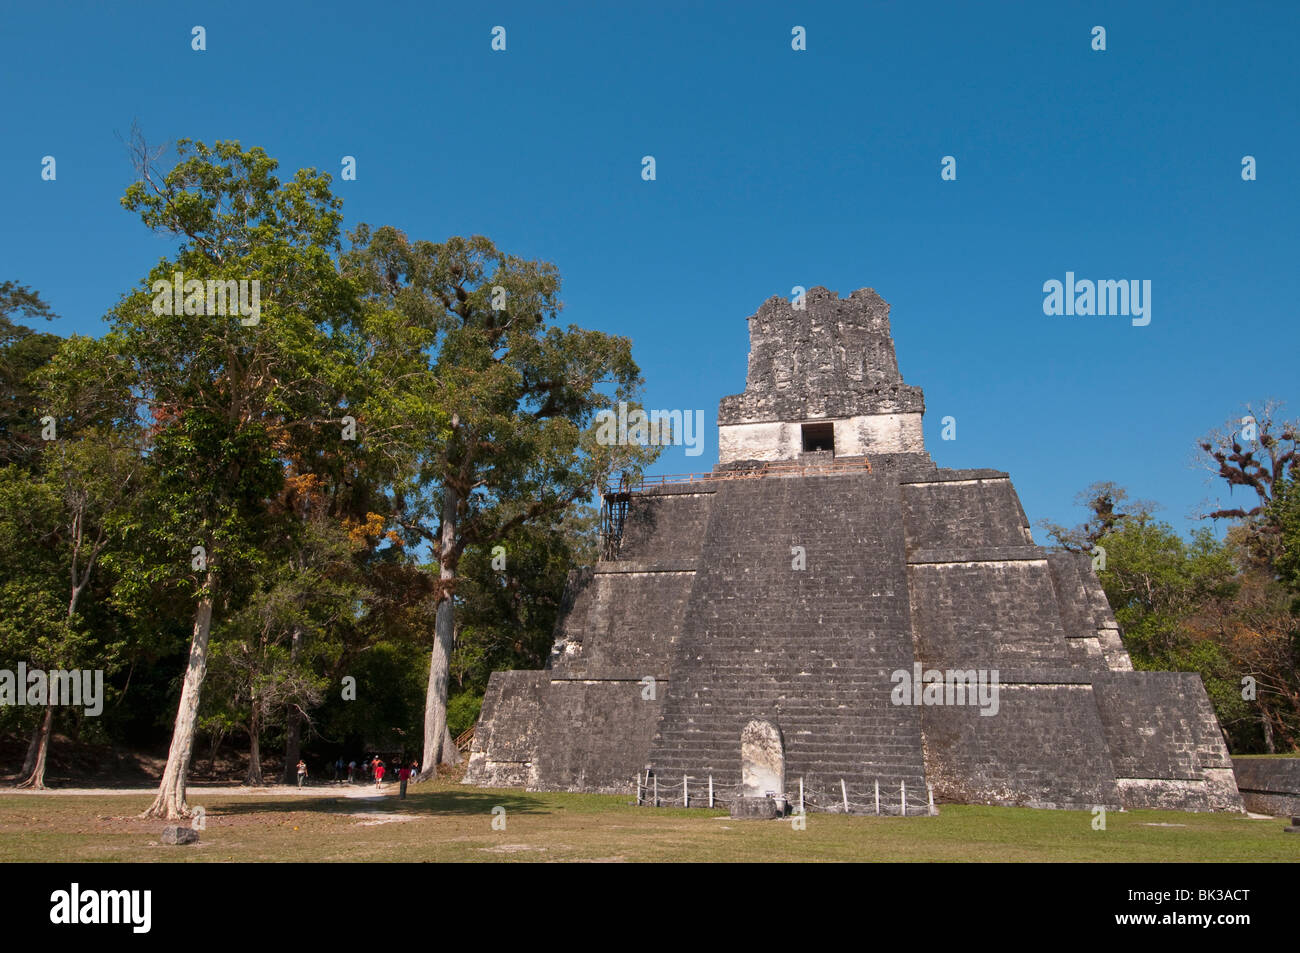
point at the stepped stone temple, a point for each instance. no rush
(892, 620)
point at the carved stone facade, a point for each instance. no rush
(827, 362)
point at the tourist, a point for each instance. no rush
(379, 771)
(403, 776)
(302, 771)
(352, 770)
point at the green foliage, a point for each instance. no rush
(388, 710)
(56, 522)
(228, 399)
(490, 402)
(19, 299)
(1155, 580)
(1221, 674)
(1284, 514)
(462, 712)
(510, 594)
(1213, 607)
(23, 352)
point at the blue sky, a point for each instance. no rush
(775, 168)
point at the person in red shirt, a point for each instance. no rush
(379, 772)
(403, 775)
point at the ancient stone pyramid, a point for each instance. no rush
(907, 568)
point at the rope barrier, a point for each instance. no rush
(704, 791)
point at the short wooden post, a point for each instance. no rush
(638, 789)
(801, 796)
(655, 778)
(685, 793)
(877, 795)
(903, 798)
(844, 793)
(710, 790)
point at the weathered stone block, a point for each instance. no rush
(762, 761)
(177, 834)
(757, 808)
(1269, 785)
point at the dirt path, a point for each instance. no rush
(366, 792)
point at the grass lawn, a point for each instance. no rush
(445, 821)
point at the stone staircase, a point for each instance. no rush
(810, 649)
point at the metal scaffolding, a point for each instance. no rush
(613, 516)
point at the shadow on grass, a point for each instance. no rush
(426, 803)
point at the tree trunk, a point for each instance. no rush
(39, 748)
(33, 747)
(292, 747)
(435, 702)
(254, 775)
(36, 779)
(293, 733)
(1269, 744)
(170, 802)
(212, 754)
(450, 754)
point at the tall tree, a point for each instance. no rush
(229, 389)
(94, 475)
(33, 626)
(1260, 452)
(23, 352)
(56, 527)
(1256, 452)
(488, 407)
